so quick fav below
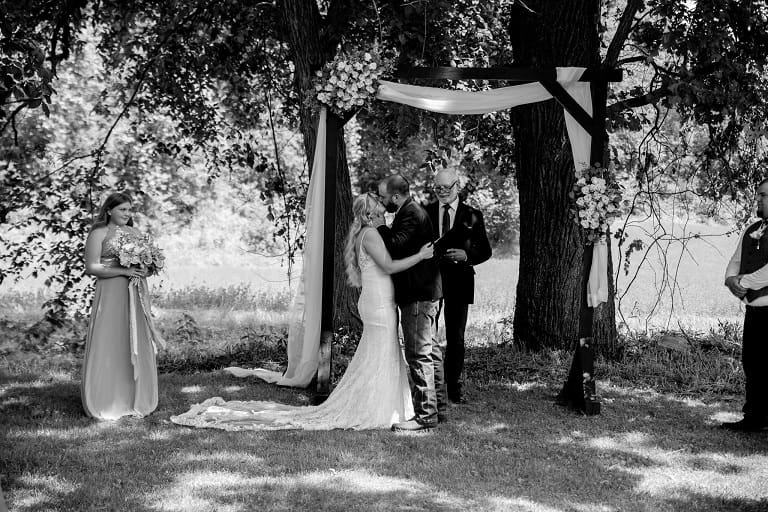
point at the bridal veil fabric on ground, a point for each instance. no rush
(372, 394)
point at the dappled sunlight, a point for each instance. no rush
(192, 389)
(665, 473)
(34, 492)
(223, 456)
(61, 434)
(723, 416)
(159, 435)
(228, 491)
(204, 490)
(486, 428)
(500, 503)
(589, 507)
(51, 483)
(233, 389)
(526, 386)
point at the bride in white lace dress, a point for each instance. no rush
(374, 391)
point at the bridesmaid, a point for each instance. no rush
(119, 373)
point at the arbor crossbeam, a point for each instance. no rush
(510, 74)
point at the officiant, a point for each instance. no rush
(462, 244)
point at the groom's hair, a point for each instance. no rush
(397, 184)
(762, 183)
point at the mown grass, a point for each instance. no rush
(654, 447)
(508, 449)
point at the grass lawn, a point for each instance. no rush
(655, 447)
(510, 448)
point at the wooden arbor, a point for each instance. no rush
(579, 390)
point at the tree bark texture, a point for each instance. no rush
(551, 244)
(311, 47)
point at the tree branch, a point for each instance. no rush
(12, 118)
(629, 60)
(638, 101)
(622, 32)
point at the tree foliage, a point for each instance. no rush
(197, 88)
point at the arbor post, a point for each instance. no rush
(579, 391)
(333, 125)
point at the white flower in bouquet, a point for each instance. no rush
(349, 81)
(597, 201)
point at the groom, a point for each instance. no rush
(417, 291)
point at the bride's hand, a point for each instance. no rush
(427, 251)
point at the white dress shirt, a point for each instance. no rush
(754, 281)
(451, 214)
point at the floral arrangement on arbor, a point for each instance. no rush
(598, 201)
(350, 80)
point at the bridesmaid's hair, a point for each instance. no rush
(361, 214)
(114, 199)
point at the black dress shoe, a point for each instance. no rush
(442, 418)
(745, 425)
(411, 426)
(457, 399)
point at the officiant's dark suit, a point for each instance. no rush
(457, 272)
(417, 291)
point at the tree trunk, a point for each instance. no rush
(551, 244)
(305, 29)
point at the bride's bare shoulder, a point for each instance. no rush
(369, 236)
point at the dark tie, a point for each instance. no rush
(446, 219)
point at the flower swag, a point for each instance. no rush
(598, 201)
(350, 80)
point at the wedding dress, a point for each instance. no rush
(372, 394)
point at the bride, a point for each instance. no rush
(374, 391)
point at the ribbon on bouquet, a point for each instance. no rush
(138, 294)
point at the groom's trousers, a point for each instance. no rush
(754, 358)
(419, 323)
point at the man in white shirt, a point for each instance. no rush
(747, 278)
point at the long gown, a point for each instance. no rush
(119, 370)
(372, 394)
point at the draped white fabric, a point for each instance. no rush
(305, 311)
(464, 102)
(304, 327)
(597, 287)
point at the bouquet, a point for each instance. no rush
(598, 201)
(135, 250)
(350, 80)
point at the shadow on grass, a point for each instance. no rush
(510, 448)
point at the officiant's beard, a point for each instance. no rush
(391, 207)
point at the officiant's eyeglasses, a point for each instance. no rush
(441, 188)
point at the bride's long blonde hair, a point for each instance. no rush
(362, 208)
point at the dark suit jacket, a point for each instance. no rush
(458, 279)
(410, 230)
